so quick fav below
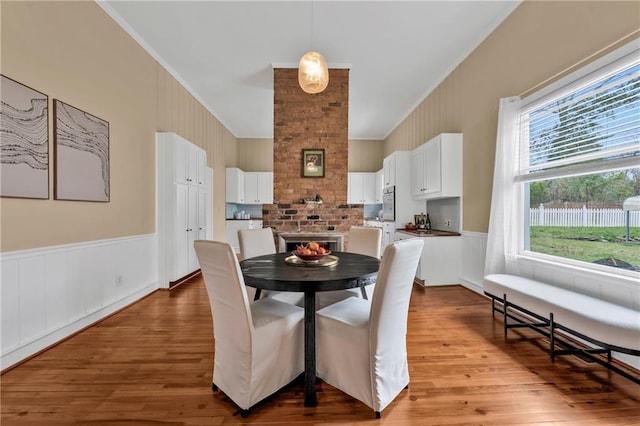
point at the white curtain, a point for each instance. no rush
(506, 200)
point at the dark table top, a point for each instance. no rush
(271, 272)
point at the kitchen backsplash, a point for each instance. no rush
(442, 210)
(254, 210)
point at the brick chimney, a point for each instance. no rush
(306, 121)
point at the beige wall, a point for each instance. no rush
(256, 155)
(73, 51)
(536, 42)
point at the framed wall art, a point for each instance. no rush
(81, 144)
(24, 141)
(313, 163)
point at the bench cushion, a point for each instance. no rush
(601, 320)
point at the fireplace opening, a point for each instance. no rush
(332, 241)
(329, 245)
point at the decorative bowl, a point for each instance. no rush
(311, 256)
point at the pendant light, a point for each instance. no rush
(313, 73)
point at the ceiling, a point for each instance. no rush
(224, 52)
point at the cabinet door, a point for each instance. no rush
(181, 160)
(432, 167)
(389, 170)
(251, 188)
(265, 187)
(369, 188)
(181, 236)
(354, 191)
(379, 186)
(202, 215)
(202, 168)
(192, 260)
(234, 185)
(417, 172)
(192, 164)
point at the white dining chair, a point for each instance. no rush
(365, 240)
(258, 242)
(361, 344)
(362, 240)
(259, 345)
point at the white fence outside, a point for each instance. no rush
(584, 217)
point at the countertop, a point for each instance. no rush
(432, 233)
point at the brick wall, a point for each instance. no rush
(305, 121)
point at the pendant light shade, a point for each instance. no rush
(313, 73)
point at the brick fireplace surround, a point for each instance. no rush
(305, 121)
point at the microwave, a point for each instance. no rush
(389, 203)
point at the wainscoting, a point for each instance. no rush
(50, 293)
(474, 249)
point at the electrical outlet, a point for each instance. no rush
(447, 223)
(118, 280)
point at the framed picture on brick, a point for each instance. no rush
(313, 163)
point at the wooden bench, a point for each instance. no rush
(548, 309)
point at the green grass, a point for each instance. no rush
(587, 244)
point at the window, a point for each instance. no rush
(579, 160)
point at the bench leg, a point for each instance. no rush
(552, 339)
(504, 313)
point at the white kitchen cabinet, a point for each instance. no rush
(379, 185)
(398, 164)
(234, 185)
(232, 227)
(389, 170)
(440, 262)
(361, 188)
(249, 187)
(388, 233)
(258, 188)
(436, 168)
(190, 161)
(182, 206)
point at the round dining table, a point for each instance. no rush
(280, 272)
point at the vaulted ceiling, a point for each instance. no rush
(224, 52)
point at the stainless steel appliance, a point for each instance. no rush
(389, 203)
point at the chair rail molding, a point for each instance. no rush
(50, 293)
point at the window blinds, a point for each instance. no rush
(593, 124)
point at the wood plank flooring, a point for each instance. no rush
(152, 364)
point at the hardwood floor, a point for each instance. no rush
(152, 364)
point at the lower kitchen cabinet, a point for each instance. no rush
(232, 227)
(440, 263)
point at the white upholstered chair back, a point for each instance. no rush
(256, 242)
(361, 344)
(258, 346)
(365, 240)
(389, 312)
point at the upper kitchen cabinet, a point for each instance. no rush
(235, 185)
(379, 185)
(249, 187)
(362, 188)
(258, 188)
(389, 170)
(436, 168)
